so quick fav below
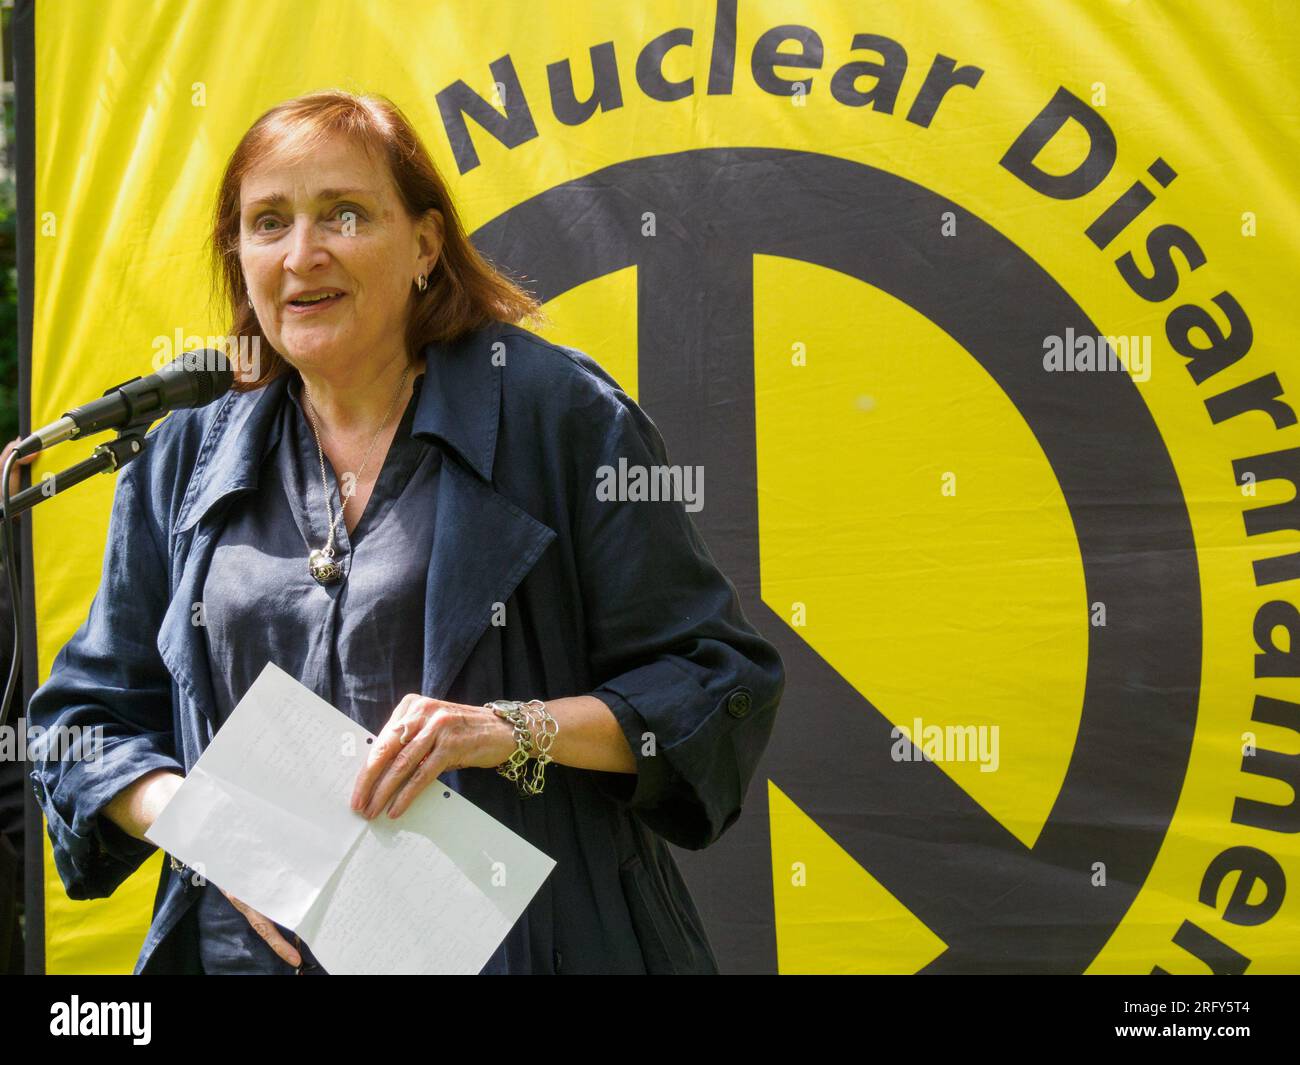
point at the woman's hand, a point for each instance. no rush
(15, 475)
(267, 930)
(438, 736)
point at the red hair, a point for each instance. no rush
(465, 290)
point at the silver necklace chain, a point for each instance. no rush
(328, 550)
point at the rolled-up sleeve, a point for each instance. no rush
(693, 685)
(105, 712)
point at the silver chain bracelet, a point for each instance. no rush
(535, 731)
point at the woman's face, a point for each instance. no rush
(332, 224)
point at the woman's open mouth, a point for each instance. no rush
(314, 304)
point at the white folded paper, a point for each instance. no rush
(265, 814)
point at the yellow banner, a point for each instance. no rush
(1019, 421)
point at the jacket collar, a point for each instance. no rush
(459, 405)
(460, 402)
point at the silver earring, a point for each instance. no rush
(421, 283)
(250, 301)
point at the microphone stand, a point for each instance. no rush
(106, 458)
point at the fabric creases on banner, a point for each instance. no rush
(977, 316)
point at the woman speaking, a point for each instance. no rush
(398, 507)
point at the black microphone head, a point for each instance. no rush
(196, 378)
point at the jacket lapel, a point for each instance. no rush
(483, 545)
(228, 464)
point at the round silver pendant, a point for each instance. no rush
(323, 567)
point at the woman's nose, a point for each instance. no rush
(306, 248)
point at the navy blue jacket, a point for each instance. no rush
(616, 599)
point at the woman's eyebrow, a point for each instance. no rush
(278, 199)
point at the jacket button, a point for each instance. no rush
(739, 704)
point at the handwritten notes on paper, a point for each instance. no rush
(265, 814)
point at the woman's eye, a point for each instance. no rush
(347, 214)
(260, 225)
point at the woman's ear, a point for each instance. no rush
(431, 237)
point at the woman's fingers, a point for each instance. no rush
(385, 748)
(15, 477)
(400, 767)
(267, 930)
(425, 772)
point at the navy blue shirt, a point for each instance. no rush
(357, 643)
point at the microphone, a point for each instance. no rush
(192, 379)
